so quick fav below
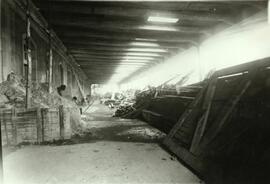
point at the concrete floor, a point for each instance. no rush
(111, 150)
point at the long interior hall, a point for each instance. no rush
(132, 91)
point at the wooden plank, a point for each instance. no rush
(223, 120)
(265, 62)
(196, 136)
(70, 32)
(42, 118)
(201, 126)
(61, 122)
(1, 151)
(39, 125)
(5, 126)
(124, 25)
(2, 78)
(80, 86)
(50, 80)
(14, 125)
(29, 57)
(114, 42)
(185, 155)
(186, 114)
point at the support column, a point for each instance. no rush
(268, 11)
(29, 58)
(50, 63)
(199, 65)
(1, 79)
(1, 49)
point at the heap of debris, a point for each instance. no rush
(122, 110)
(132, 108)
(13, 92)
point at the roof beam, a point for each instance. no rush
(130, 49)
(75, 41)
(107, 47)
(94, 65)
(116, 58)
(123, 25)
(89, 9)
(114, 53)
(107, 61)
(69, 32)
(117, 41)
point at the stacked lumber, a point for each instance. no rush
(134, 110)
(122, 110)
(164, 110)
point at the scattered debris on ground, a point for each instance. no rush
(143, 132)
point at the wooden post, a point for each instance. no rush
(1, 153)
(1, 49)
(201, 126)
(42, 111)
(39, 125)
(14, 126)
(188, 112)
(50, 63)
(268, 12)
(29, 58)
(79, 85)
(199, 65)
(6, 131)
(61, 121)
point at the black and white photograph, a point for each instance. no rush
(134, 92)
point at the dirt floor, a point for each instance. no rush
(105, 150)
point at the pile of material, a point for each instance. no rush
(162, 100)
(13, 93)
(122, 110)
(133, 108)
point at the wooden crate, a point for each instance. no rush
(37, 125)
(7, 127)
(50, 124)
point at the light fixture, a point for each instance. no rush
(138, 57)
(133, 64)
(136, 61)
(162, 19)
(159, 28)
(148, 44)
(145, 39)
(146, 50)
(142, 54)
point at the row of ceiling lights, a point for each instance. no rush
(124, 70)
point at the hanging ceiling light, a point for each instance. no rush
(159, 28)
(162, 19)
(142, 54)
(148, 44)
(146, 50)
